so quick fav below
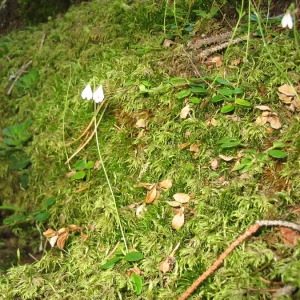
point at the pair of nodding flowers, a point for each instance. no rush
(97, 96)
(287, 20)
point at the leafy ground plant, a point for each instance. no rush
(165, 116)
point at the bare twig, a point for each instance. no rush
(42, 41)
(21, 71)
(250, 231)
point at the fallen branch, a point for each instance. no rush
(21, 71)
(250, 231)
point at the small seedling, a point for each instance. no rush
(82, 170)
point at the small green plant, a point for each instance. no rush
(129, 257)
(27, 80)
(39, 215)
(16, 137)
(82, 170)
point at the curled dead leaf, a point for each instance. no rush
(178, 219)
(194, 148)
(288, 90)
(62, 240)
(49, 233)
(263, 107)
(165, 184)
(140, 210)
(151, 195)
(146, 185)
(183, 145)
(214, 164)
(185, 111)
(141, 123)
(53, 240)
(167, 265)
(226, 158)
(174, 203)
(181, 197)
(167, 43)
(83, 236)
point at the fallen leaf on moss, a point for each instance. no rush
(141, 123)
(214, 164)
(289, 236)
(151, 195)
(178, 219)
(165, 184)
(185, 111)
(167, 265)
(181, 197)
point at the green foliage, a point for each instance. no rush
(39, 215)
(138, 84)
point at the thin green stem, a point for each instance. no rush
(110, 187)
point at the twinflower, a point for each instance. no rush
(287, 21)
(97, 96)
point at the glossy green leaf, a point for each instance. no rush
(110, 263)
(195, 100)
(217, 98)
(227, 108)
(14, 219)
(230, 145)
(198, 90)
(90, 164)
(183, 94)
(277, 153)
(137, 282)
(228, 92)
(223, 81)
(78, 175)
(242, 102)
(43, 216)
(134, 256)
(47, 203)
(80, 165)
(278, 145)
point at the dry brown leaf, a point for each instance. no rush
(212, 122)
(141, 123)
(263, 107)
(194, 148)
(296, 104)
(62, 231)
(187, 134)
(136, 270)
(226, 158)
(167, 265)
(73, 227)
(83, 236)
(285, 99)
(165, 184)
(185, 111)
(178, 219)
(214, 61)
(287, 90)
(181, 197)
(274, 121)
(214, 164)
(151, 195)
(183, 145)
(236, 62)
(174, 203)
(261, 120)
(167, 43)
(289, 236)
(53, 240)
(62, 240)
(140, 210)
(146, 185)
(49, 233)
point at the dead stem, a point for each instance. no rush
(250, 231)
